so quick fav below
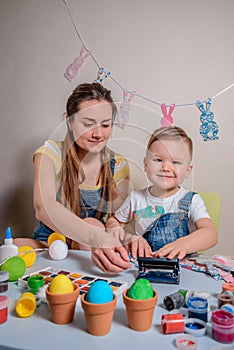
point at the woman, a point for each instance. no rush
(82, 178)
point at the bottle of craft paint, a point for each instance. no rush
(3, 308)
(198, 308)
(172, 323)
(35, 283)
(222, 326)
(173, 301)
(225, 298)
(4, 276)
(8, 249)
(228, 286)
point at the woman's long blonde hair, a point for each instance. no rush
(71, 169)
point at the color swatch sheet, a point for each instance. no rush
(83, 280)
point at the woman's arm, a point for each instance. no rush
(55, 215)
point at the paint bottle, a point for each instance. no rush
(173, 301)
(228, 308)
(4, 276)
(8, 249)
(198, 308)
(3, 308)
(205, 295)
(26, 305)
(172, 323)
(228, 286)
(225, 298)
(186, 342)
(222, 326)
(35, 283)
(186, 294)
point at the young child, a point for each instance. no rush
(172, 220)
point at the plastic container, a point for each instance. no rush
(3, 308)
(228, 308)
(186, 342)
(225, 298)
(174, 301)
(195, 327)
(222, 326)
(26, 305)
(172, 323)
(228, 286)
(198, 308)
(8, 249)
(4, 277)
(35, 283)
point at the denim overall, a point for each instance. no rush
(89, 202)
(171, 226)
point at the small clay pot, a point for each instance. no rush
(98, 316)
(62, 306)
(140, 312)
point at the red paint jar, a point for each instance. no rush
(222, 326)
(172, 323)
(3, 308)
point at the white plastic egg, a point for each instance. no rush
(58, 250)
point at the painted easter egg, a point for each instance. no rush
(100, 292)
(61, 284)
(141, 289)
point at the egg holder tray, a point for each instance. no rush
(84, 281)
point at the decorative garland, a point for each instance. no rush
(209, 128)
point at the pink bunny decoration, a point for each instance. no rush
(123, 113)
(167, 119)
(73, 68)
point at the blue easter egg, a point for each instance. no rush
(100, 292)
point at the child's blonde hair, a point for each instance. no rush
(171, 133)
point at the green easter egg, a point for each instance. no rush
(15, 266)
(141, 289)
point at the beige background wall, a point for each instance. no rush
(167, 50)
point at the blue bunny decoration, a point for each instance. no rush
(209, 128)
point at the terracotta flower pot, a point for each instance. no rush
(140, 312)
(62, 306)
(98, 316)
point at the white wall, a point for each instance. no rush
(172, 51)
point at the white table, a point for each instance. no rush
(39, 332)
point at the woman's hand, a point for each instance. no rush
(111, 260)
(138, 247)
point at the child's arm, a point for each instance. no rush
(203, 238)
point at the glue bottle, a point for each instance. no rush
(8, 249)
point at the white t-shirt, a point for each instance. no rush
(144, 208)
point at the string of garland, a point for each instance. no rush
(208, 129)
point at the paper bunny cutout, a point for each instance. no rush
(209, 128)
(167, 119)
(102, 74)
(73, 68)
(123, 113)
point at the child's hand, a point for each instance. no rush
(117, 232)
(171, 250)
(139, 247)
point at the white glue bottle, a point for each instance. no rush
(8, 249)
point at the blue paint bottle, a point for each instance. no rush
(198, 308)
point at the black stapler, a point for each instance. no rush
(159, 270)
